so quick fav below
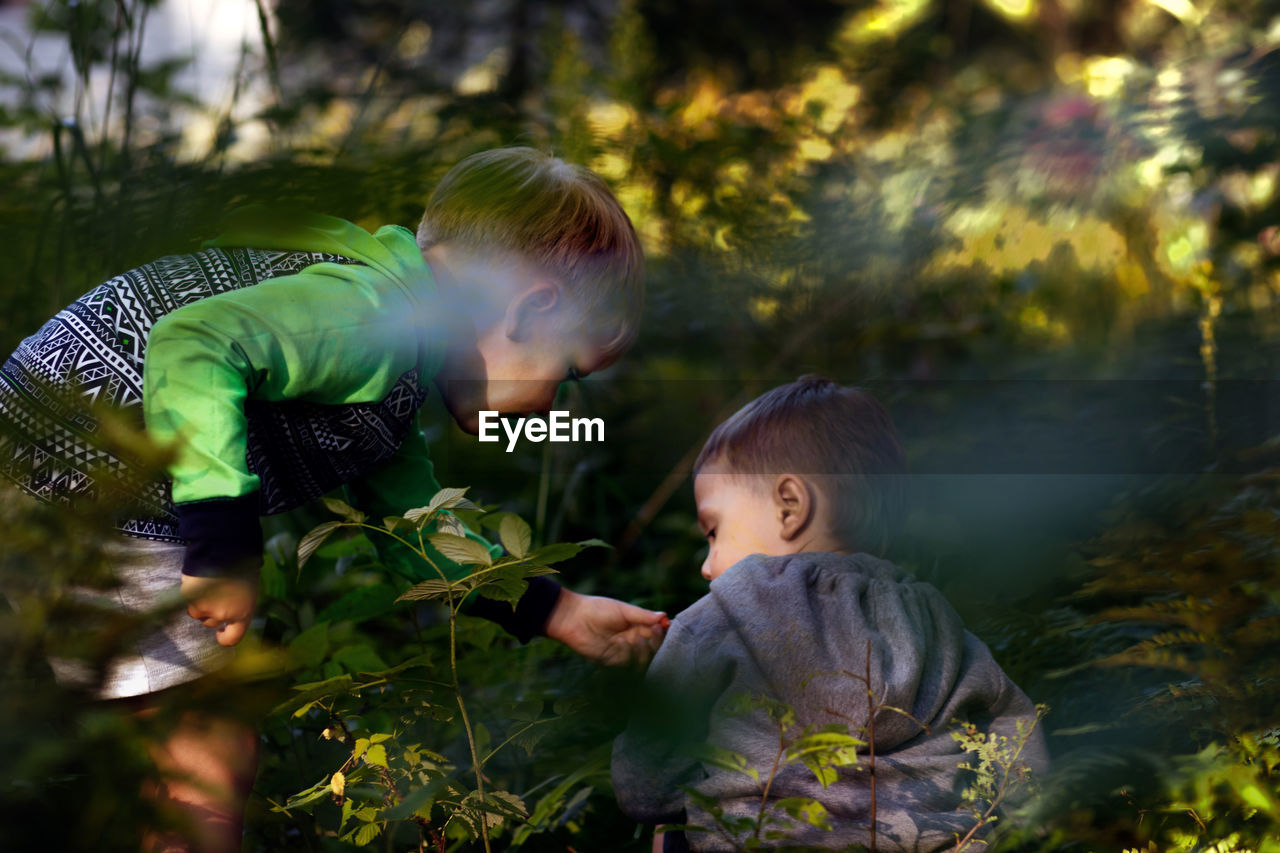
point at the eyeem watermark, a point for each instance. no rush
(557, 427)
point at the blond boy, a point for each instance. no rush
(290, 357)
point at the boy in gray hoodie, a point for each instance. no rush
(795, 492)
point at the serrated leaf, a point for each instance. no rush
(449, 523)
(460, 549)
(376, 754)
(506, 804)
(366, 834)
(503, 589)
(515, 535)
(429, 590)
(446, 498)
(419, 516)
(343, 509)
(314, 539)
(555, 553)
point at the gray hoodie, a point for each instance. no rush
(797, 629)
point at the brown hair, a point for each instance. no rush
(838, 434)
(560, 216)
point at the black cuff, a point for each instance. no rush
(223, 535)
(529, 617)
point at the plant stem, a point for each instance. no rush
(768, 783)
(871, 746)
(466, 720)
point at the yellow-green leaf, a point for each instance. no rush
(515, 535)
(343, 509)
(377, 754)
(460, 549)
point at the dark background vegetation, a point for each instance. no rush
(1043, 231)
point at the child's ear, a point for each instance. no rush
(527, 306)
(795, 504)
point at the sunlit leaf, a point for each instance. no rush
(515, 535)
(460, 549)
(314, 539)
(428, 590)
(343, 509)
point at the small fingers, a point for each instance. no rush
(232, 632)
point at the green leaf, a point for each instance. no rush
(503, 589)
(309, 693)
(343, 509)
(367, 833)
(808, 810)
(447, 522)
(318, 791)
(835, 747)
(725, 760)
(429, 590)
(498, 806)
(275, 583)
(460, 549)
(377, 754)
(515, 535)
(416, 802)
(359, 658)
(309, 648)
(362, 603)
(446, 498)
(419, 516)
(313, 540)
(555, 553)
(1254, 796)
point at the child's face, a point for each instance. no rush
(522, 337)
(738, 517)
(517, 375)
(522, 377)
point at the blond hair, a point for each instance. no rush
(560, 216)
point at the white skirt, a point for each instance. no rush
(180, 650)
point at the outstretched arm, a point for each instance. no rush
(605, 630)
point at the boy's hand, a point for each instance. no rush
(223, 603)
(605, 630)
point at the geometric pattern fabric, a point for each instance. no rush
(90, 354)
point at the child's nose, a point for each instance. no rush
(706, 567)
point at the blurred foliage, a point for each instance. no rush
(1045, 232)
